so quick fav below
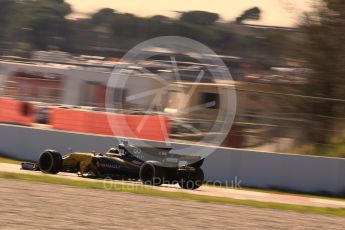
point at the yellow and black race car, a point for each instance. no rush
(126, 162)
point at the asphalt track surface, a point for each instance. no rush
(211, 191)
(32, 205)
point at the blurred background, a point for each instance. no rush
(286, 58)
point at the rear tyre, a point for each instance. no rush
(50, 162)
(193, 181)
(151, 174)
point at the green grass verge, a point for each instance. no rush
(282, 192)
(7, 160)
(144, 190)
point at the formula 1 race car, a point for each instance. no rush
(126, 162)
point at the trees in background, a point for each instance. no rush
(42, 25)
(127, 30)
(36, 24)
(200, 18)
(324, 51)
(103, 17)
(5, 12)
(46, 22)
(5, 9)
(250, 14)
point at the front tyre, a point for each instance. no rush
(193, 181)
(50, 162)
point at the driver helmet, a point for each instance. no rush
(113, 150)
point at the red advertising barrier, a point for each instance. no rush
(16, 112)
(70, 120)
(136, 126)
